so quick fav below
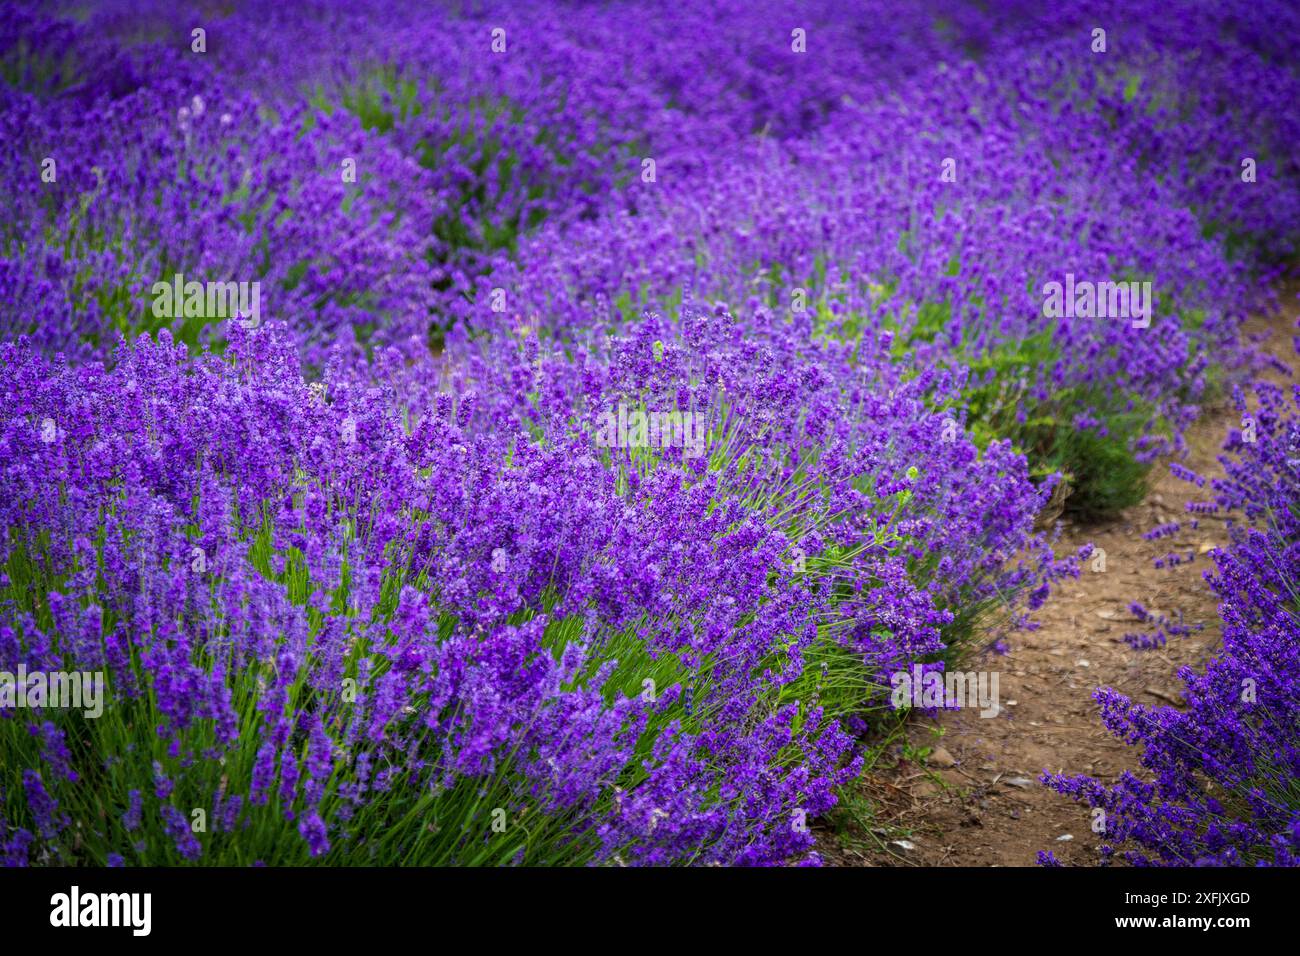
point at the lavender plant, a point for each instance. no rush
(1219, 782)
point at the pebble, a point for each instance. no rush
(941, 758)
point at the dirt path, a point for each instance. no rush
(976, 799)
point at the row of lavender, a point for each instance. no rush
(1220, 787)
(362, 600)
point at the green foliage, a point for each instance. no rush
(1004, 400)
(1008, 396)
(41, 73)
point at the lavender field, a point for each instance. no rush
(556, 434)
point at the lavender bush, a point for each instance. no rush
(1223, 771)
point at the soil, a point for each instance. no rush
(976, 799)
